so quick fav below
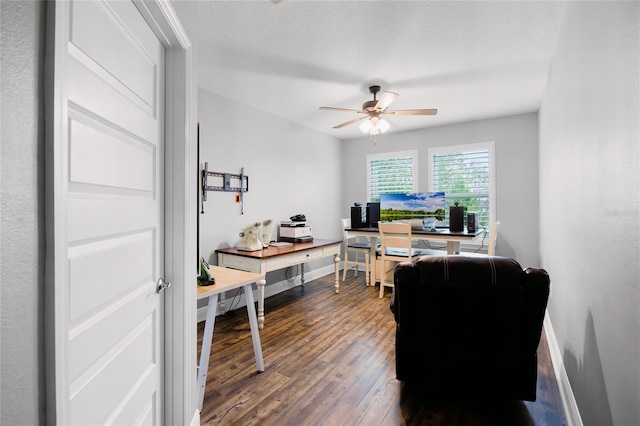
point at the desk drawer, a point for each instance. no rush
(239, 262)
(331, 250)
(293, 259)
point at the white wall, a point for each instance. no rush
(22, 213)
(589, 207)
(516, 156)
(588, 169)
(291, 170)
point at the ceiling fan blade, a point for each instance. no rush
(413, 112)
(385, 100)
(340, 109)
(339, 126)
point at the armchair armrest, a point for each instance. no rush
(536, 294)
(406, 272)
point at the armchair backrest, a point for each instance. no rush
(471, 320)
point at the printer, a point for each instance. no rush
(295, 231)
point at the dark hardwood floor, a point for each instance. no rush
(329, 359)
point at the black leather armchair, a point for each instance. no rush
(469, 326)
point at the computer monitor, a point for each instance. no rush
(418, 206)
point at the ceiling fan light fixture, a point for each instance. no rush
(383, 125)
(365, 126)
(375, 126)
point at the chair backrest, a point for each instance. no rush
(396, 236)
(346, 223)
(493, 236)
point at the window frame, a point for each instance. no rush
(463, 148)
(413, 154)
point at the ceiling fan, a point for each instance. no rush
(373, 109)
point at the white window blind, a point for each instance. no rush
(391, 173)
(465, 175)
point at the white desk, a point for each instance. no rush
(274, 258)
(226, 279)
(453, 239)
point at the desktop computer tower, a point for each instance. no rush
(373, 214)
(456, 218)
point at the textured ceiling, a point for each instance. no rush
(471, 60)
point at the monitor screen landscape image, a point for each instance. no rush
(419, 205)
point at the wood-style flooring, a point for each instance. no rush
(329, 359)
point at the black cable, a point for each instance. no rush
(484, 237)
(427, 244)
(235, 296)
(293, 278)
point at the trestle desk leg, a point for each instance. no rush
(207, 338)
(336, 262)
(253, 323)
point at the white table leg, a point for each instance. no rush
(453, 247)
(302, 274)
(253, 323)
(372, 260)
(367, 271)
(207, 338)
(336, 262)
(260, 285)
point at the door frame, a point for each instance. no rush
(180, 398)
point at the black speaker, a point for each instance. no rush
(456, 218)
(373, 214)
(473, 224)
(356, 217)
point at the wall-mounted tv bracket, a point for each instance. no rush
(228, 182)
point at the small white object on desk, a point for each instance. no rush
(280, 244)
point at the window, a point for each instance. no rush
(465, 173)
(391, 173)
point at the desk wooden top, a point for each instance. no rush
(272, 251)
(227, 279)
(421, 232)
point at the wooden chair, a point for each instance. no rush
(351, 244)
(493, 236)
(395, 246)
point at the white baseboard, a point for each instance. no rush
(569, 404)
(269, 290)
(195, 420)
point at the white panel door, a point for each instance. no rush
(110, 319)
